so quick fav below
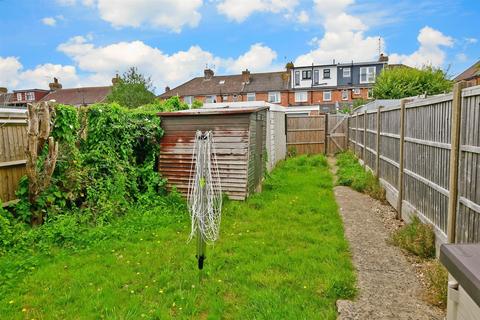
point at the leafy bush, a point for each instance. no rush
(417, 238)
(351, 173)
(402, 82)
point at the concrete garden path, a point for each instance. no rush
(388, 286)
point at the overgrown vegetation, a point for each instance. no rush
(418, 239)
(281, 255)
(402, 82)
(351, 173)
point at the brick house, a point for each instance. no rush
(471, 75)
(269, 86)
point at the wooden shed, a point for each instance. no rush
(239, 136)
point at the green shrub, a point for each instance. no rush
(350, 173)
(417, 238)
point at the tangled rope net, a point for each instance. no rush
(205, 191)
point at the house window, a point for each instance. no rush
(326, 73)
(301, 96)
(19, 96)
(297, 78)
(30, 96)
(367, 74)
(344, 94)
(370, 93)
(274, 97)
(251, 96)
(346, 72)
(327, 95)
(316, 76)
(356, 91)
(188, 100)
(306, 74)
(225, 98)
(210, 99)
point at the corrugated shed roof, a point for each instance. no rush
(473, 71)
(79, 96)
(232, 84)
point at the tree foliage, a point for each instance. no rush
(132, 90)
(402, 82)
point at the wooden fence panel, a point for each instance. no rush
(389, 146)
(468, 205)
(371, 140)
(13, 139)
(306, 134)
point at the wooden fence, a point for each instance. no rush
(317, 133)
(13, 139)
(426, 154)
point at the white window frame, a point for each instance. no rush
(19, 96)
(306, 74)
(277, 97)
(357, 91)
(347, 72)
(316, 76)
(301, 96)
(188, 100)
(210, 99)
(327, 95)
(251, 96)
(235, 98)
(344, 94)
(297, 78)
(368, 74)
(225, 98)
(30, 96)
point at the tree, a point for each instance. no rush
(132, 90)
(402, 82)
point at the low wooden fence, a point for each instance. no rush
(427, 155)
(317, 134)
(13, 139)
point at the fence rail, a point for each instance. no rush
(426, 154)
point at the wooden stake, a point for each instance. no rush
(454, 161)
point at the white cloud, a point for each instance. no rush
(257, 58)
(168, 14)
(429, 52)
(240, 10)
(344, 39)
(471, 40)
(13, 76)
(303, 17)
(49, 21)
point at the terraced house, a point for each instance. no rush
(326, 86)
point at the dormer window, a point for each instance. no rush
(346, 72)
(19, 96)
(326, 73)
(316, 76)
(306, 74)
(297, 78)
(30, 96)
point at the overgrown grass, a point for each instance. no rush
(282, 255)
(419, 240)
(351, 173)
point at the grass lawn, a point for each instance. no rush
(281, 255)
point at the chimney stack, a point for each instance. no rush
(116, 79)
(208, 73)
(167, 88)
(246, 76)
(383, 58)
(289, 66)
(55, 85)
(3, 90)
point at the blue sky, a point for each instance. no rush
(84, 42)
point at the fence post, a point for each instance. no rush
(356, 133)
(348, 132)
(377, 160)
(364, 153)
(327, 134)
(454, 161)
(401, 159)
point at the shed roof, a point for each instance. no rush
(79, 96)
(231, 84)
(212, 111)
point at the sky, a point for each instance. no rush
(86, 42)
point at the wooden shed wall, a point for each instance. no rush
(231, 134)
(276, 138)
(257, 150)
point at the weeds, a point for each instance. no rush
(437, 277)
(417, 238)
(350, 173)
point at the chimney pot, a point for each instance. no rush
(246, 76)
(383, 58)
(208, 73)
(55, 85)
(116, 79)
(167, 88)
